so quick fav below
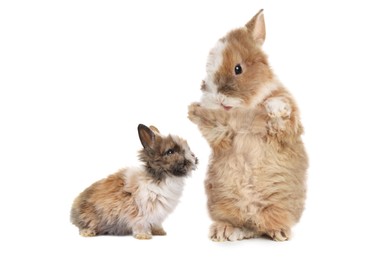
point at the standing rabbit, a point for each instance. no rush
(137, 200)
(256, 179)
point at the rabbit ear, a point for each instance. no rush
(154, 129)
(256, 27)
(146, 136)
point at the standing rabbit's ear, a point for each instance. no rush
(146, 136)
(256, 27)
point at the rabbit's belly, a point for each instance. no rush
(238, 184)
(247, 180)
(255, 175)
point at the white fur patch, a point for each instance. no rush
(266, 90)
(155, 200)
(215, 58)
(278, 107)
(211, 98)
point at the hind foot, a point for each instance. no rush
(279, 235)
(158, 231)
(220, 232)
(87, 232)
(143, 236)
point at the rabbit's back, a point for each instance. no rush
(107, 205)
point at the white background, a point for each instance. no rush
(77, 77)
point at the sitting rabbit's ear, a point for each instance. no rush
(146, 136)
(154, 129)
(256, 27)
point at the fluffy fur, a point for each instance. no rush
(256, 177)
(137, 200)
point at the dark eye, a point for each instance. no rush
(238, 69)
(169, 152)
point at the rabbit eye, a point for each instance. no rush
(238, 69)
(169, 152)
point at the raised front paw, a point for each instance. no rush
(278, 107)
(194, 112)
(220, 232)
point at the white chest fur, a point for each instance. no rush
(155, 200)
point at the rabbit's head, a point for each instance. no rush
(165, 156)
(238, 73)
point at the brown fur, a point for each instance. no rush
(256, 177)
(111, 198)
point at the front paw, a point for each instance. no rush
(193, 108)
(278, 107)
(194, 112)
